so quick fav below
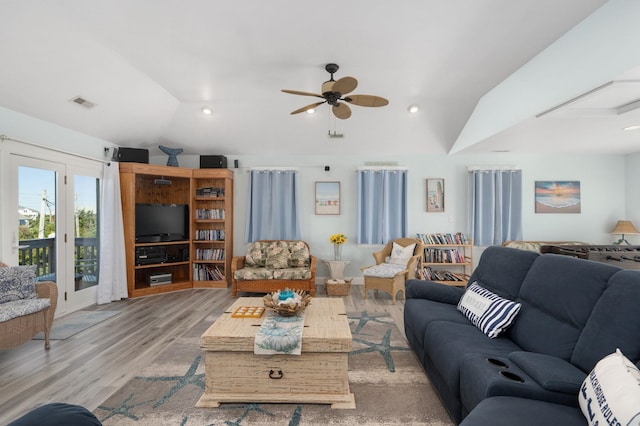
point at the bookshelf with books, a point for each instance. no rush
(446, 258)
(212, 227)
(204, 200)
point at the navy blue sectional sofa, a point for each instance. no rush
(574, 312)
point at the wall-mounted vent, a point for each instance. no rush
(381, 163)
(83, 102)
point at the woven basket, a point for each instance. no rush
(338, 289)
(270, 301)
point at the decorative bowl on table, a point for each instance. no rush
(287, 302)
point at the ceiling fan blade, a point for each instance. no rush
(366, 100)
(342, 111)
(345, 85)
(297, 92)
(308, 107)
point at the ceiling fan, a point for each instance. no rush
(334, 93)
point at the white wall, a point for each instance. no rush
(22, 127)
(607, 184)
(632, 193)
(602, 188)
(605, 195)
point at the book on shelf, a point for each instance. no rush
(207, 273)
(437, 255)
(209, 235)
(436, 275)
(210, 192)
(209, 213)
(210, 254)
(443, 239)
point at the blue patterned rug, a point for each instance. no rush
(389, 385)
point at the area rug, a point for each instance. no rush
(74, 323)
(389, 385)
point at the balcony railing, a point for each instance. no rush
(42, 254)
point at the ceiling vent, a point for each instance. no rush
(83, 102)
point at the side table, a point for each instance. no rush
(336, 285)
(336, 268)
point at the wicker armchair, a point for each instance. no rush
(19, 330)
(395, 283)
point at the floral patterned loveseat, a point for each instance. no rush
(271, 265)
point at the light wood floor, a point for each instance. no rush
(90, 366)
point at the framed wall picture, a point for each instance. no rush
(435, 195)
(557, 196)
(327, 197)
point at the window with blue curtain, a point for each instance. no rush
(272, 207)
(382, 205)
(495, 206)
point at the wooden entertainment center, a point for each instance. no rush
(203, 258)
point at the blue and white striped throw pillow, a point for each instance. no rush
(486, 310)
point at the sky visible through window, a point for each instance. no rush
(33, 181)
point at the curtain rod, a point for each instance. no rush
(490, 167)
(86, 157)
(293, 169)
(381, 168)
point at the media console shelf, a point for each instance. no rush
(162, 266)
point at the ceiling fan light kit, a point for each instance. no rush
(333, 93)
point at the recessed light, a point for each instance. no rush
(207, 110)
(634, 127)
(413, 108)
(311, 111)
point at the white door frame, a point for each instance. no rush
(14, 154)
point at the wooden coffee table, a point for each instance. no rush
(233, 373)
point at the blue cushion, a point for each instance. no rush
(424, 289)
(502, 270)
(486, 310)
(18, 308)
(613, 323)
(551, 373)
(557, 296)
(58, 414)
(17, 283)
(481, 378)
(510, 411)
(384, 270)
(419, 313)
(449, 342)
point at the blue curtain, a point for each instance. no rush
(272, 212)
(382, 206)
(496, 206)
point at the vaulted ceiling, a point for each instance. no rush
(149, 66)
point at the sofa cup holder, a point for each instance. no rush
(511, 376)
(497, 362)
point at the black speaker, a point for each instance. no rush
(213, 162)
(132, 155)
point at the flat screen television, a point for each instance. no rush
(161, 222)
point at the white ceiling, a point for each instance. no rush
(151, 65)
